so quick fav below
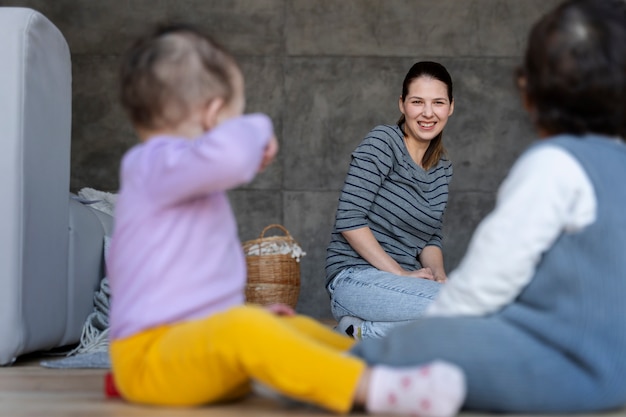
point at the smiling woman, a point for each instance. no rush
(425, 104)
(384, 263)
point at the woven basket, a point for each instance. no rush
(272, 278)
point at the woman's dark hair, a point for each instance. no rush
(574, 69)
(169, 70)
(438, 72)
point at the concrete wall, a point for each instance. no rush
(326, 71)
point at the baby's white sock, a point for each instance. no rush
(436, 389)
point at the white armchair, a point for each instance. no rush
(51, 246)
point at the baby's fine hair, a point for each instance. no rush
(575, 68)
(169, 71)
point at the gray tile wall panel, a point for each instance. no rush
(326, 71)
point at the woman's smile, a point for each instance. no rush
(426, 109)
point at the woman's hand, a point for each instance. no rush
(425, 273)
(281, 309)
(431, 258)
(441, 278)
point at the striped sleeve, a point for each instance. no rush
(371, 162)
(437, 237)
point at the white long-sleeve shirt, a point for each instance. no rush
(546, 193)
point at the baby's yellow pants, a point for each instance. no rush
(214, 359)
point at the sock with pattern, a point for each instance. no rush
(436, 389)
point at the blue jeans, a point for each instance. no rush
(381, 299)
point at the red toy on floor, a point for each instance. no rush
(110, 390)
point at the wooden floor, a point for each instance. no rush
(30, 390)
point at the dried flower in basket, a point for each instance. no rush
(282, 247)
(273, 268)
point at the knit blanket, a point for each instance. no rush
(93, 349)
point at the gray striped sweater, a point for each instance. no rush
(386, 190)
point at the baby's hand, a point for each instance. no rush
(270, 153)
(280, 309)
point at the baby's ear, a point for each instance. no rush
(211, 113)
(522, 83)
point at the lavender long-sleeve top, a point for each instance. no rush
(175, 253)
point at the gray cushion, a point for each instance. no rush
(37, 300)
